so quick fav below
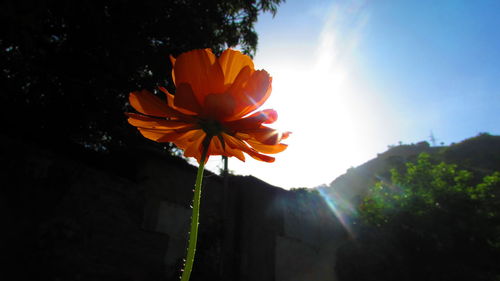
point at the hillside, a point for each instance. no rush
(480, 154)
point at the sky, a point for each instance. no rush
(351, 78)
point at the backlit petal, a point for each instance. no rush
(232, 62)
(216, 147)
(161, 135)
(285, 135)
(170, 97)
(149, 104)
(193, 147)
(218, 106)
(185, 98)
(255, 92)
(187, 139)
(238, 144)
(264, 135)
(241, 80)
(254, 121)
(172, 60)
(265, 148)
(142, 121)
(230, 152)
(201, 70)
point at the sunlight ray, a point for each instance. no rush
(341, 208)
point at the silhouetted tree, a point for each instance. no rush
(67, 66)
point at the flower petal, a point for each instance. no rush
(170, 102)
(193, 146)
(241, 80)
(218, 106)
(230, 152)
(254, 93)
(268, 149)
(238, 144)
(263, 134)
(172, 61)
(143, 121)
(185, 98)
(159, 135)
(285, 135)
(201, 70)
(216, 147)
(170, 97)
(185, 141)
(254, 121)
(232, 62)
(149, 104)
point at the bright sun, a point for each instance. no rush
(321, 98)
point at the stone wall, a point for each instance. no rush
(72, 215)
(306, 248)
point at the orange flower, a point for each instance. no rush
(212, 107)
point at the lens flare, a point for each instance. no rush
(341, 208)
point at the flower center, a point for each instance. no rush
(211, 127)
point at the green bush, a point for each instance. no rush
(431, 221)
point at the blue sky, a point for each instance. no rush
(439, 61)
(352, 77)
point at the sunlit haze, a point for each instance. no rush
(352, 77)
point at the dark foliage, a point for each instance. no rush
(67, 66)
(433, 221)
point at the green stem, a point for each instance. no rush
(193, 234)
(226, 171)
